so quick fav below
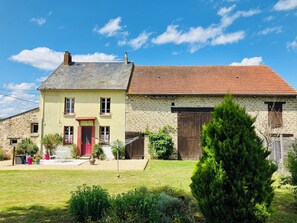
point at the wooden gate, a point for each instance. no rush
(189, 133)
(135, 145)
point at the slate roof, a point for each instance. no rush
(97, 75)
(19, 114)
(207, 80)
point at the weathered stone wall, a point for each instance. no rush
(146, 112)
(18, 127)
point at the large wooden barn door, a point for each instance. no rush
(189, 133)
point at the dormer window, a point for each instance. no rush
(105, 106)
(69, 106)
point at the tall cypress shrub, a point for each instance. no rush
(232, 179)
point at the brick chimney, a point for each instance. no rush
(126, 58)
(67, 58)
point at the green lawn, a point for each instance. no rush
(41, 196)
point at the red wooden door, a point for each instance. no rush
(86, 140)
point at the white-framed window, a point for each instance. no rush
(68, 134)
(69, 105)
(34, 127)
(104, 134)
(105, 105)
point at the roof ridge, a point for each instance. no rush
(261, 65)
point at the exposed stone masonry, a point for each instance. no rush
(18, 127)
(152, 112)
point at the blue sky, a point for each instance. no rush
(35, 34)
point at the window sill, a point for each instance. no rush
(106, 114)
(104, 143)
(34, 134)
(69, 114)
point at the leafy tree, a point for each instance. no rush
(232, 180)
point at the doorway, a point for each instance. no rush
(86, 141)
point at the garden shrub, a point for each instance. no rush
(135, 206)
(118, 145)
(189, 204)
(291, 163)
(160, 143)
(4, 155)
(26, 146)
(98, 151)
(142, 205)
(74, 151)
(89, 203)
(232, 180)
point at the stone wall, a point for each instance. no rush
(154, 112)
(18, 127)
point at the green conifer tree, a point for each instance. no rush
(232, 179)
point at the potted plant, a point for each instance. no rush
(51, 141)
(26, 149)
(37, 158)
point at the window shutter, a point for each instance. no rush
(275, 117)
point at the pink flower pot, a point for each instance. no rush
(47, 156)
(29, 160)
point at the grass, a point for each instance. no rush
(42, 196)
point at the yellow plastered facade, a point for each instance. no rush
(87, 104)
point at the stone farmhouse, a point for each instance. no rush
(17, 127)
(105, 101)
(184, 96)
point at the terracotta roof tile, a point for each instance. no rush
(208, 80)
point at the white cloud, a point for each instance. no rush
(225, 10)
(38, 21)
(137, 42)
(269, 18)
(41, 57)
(47, 59)
(171, 35)
(253, 61)
(19, 87)
(96, 57)
(292, 45)
(18, 98)
(227, 19)
(276, 29)
(41, 79)
(228, 38)
(111, 28)
(214, 34)
(192, 36)
(284, 5)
